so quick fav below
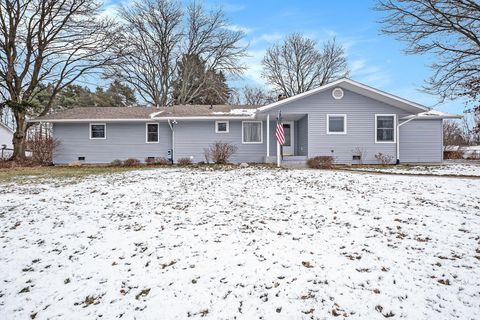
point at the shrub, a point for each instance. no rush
(453, 155)
(384, 158)
(184, 161)
(220, 152)
(17, 163)
(157, 161)
(320, 162)
(42, 148)
(131, 162)
(116, 163)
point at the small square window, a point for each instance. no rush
(81, 158)
(356, 157)
(98, 131)
(336, 124)
(221, 126)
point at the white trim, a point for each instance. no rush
(268, 135)
(146, 132)
(290, 148)
(261, 132)
(88, 120)
(344, 123)
(222, 121)
(144, 120)
(7, 127)
(394, 126)
(97, 124)
(351, 85)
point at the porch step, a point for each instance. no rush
(287, 159)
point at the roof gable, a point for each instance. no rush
(358, 88)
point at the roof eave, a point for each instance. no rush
(87, 120)
(433, 117)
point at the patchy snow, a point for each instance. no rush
(453, 169)
(238, 112)
(247, 243)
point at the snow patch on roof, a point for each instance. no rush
(433, 114)
(242, 112)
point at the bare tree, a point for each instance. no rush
(450, 29)
(151, 33)
(297, 65)
(209, 37)
(159, 36)
(256, 96)
(48, 41)
(453, 134)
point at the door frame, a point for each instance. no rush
(290, 150)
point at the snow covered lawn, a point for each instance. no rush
(448, 169)
(246, 244)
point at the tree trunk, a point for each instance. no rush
(19, 137)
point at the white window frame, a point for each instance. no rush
(146, 132)
(261, 132)
(344, 123)
(222, 121)
(97, 124)
(394, 126)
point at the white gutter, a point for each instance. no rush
(145, 120)
(90, 120)
(173, 137)
(398, 138)
(208, 118)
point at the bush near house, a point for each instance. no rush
(384, 158)
(453, 155)
(116, 163)
(220, 152)
(42, 148)
(320, 162)
(131, 162)
(157, 161)
(184, 161)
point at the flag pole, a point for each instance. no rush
(279, 147)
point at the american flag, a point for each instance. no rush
(279, 130)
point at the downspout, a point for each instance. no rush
(173, 137)
(398, 138)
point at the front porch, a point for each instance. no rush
(295, 127)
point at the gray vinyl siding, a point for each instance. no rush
(301, 136)
(421, 141)
(124, 140)
(360, 111)
(192, 137)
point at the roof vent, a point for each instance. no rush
(337, 93)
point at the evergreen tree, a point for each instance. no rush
(195, 84)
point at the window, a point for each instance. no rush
(221, 126)
(252, 132)
(152, 132)
(81, 158)
(336, 124)
(385, 128)
(98, 131)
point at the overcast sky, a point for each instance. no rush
(374, 59)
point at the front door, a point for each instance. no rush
(289, 147)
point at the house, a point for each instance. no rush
(6, 137)
(336, 119)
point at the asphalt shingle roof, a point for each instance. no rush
(146, 113)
